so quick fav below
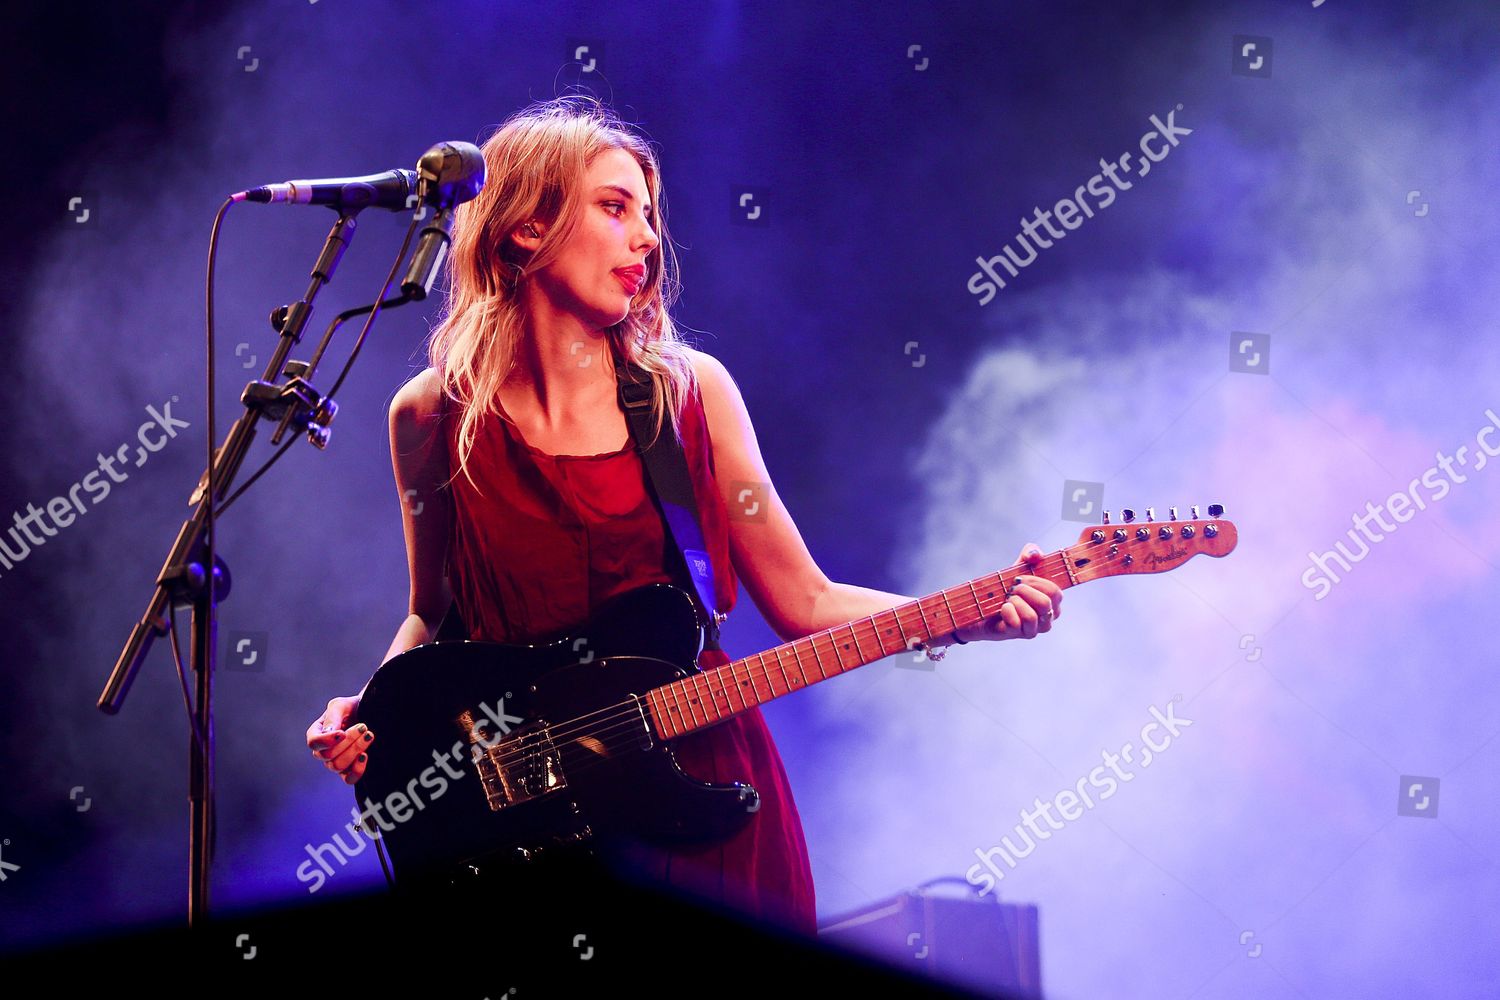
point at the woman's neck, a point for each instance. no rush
(561, 373)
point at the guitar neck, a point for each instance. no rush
(705, 699)
(1129, 548)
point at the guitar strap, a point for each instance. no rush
(667, 474)
(671, 484)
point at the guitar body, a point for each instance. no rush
(512, 753)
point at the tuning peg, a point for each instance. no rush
(1215, 510)
(1127, 515)
(1150, 513)
(1194, 510)
(1106, 517)
(1171, 513)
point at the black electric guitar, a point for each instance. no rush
(494, 753)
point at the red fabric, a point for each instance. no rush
(540, 542)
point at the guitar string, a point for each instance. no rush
(628, 710)
(625, 715)
(826, 635)
(623, 727)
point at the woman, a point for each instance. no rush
(525, 500)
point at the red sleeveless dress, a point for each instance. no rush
(545, 539)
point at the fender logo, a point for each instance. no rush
(1175, 554)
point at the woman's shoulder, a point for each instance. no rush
(416, 410)
(710, 377)
(420, 397)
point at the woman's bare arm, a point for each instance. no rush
(792, 592)
(419, 457)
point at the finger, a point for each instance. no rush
(327, 729)
(323, 728)
(356, 742)
(1031, 554)
(1048, 587)
(356, 769)
(1007, 622)
(349, 747)
(326, 743)
(1043, 595)
(1029, 620)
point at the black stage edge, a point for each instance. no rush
(584, 933)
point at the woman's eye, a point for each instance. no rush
(611, 205)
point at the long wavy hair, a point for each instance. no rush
(535, 163)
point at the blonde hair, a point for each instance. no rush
(535, 163)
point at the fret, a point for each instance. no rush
(696, 687)
(905, 639)
(978, 604)
(691, 701)
(775, 671)
(732, 684)
(951, 616)
(859, 654)
(797, 657)
(823, 674)
(705, 683)
(692, 685)
(926, 628)
(725, 687)
(753, 692)
(759, 673)
(721, 697)
(723, 693)
(786, 683)
(837, 646)
(652, 705)
(677, 707)
(879, 642)
(769, 673)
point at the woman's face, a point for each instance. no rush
(616, 230)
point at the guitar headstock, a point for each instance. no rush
(1150, 546)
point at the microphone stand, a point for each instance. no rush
(184, 580)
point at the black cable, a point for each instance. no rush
(213, 512)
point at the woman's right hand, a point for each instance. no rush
(342, 751)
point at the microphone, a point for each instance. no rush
(451, 173)
(392, 189)
(454, 172)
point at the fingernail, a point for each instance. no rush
(369, 736)
(362, 758)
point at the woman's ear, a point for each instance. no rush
(528, 235)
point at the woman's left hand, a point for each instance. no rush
(1035, 603)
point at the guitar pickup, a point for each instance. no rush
(524, 766)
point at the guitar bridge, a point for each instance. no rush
(524, 766)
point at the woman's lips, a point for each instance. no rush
(631, 280)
